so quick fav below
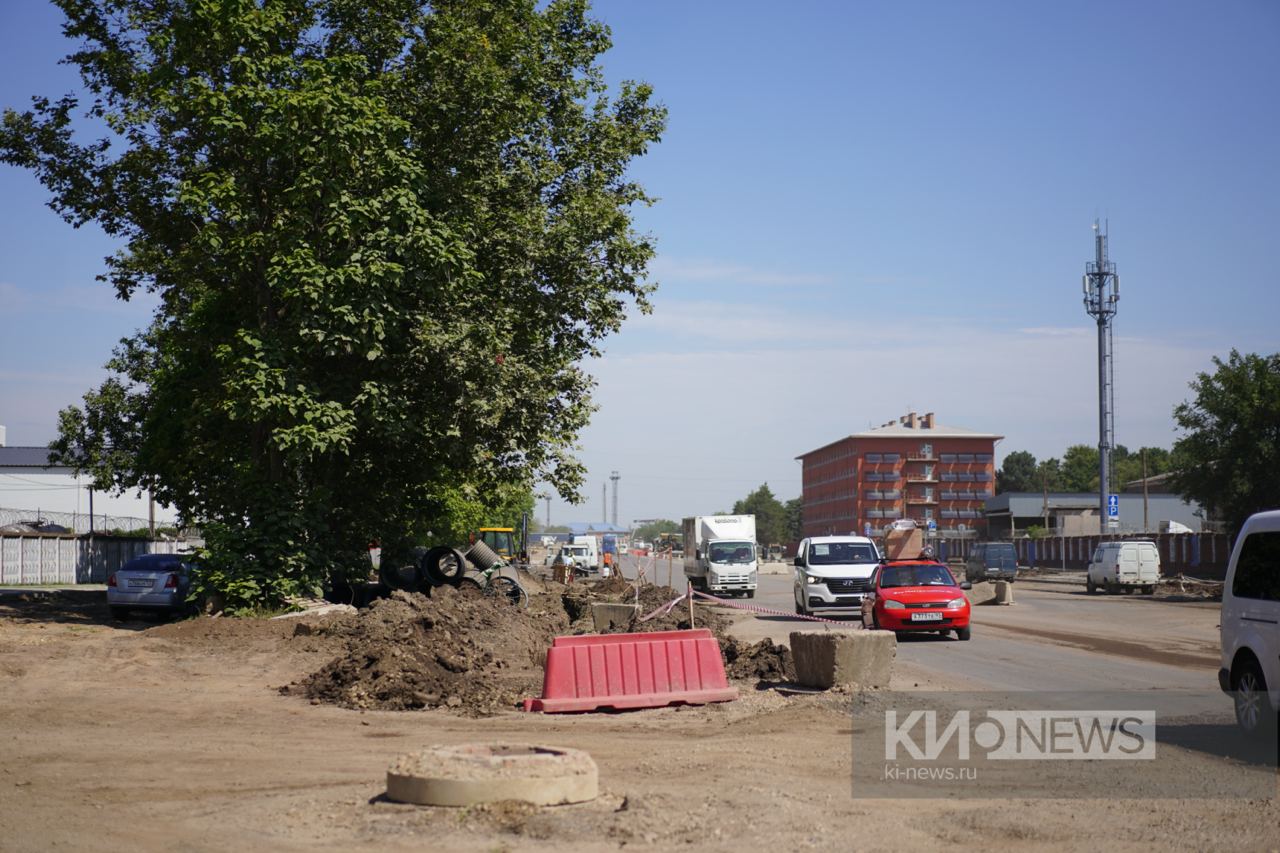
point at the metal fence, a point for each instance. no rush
(1202, 555)
(77, 522)
(35, 558)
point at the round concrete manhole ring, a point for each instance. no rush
(484, 773)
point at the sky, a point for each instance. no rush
(864, 209)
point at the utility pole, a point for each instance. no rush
(1146, 524)
(604, 503)
(615, 477)
(1101, 293)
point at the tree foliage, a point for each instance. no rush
(771, 515)
(649, 531)
(383, 234)
(1017, 473)
(1227, 459)
(795, 520)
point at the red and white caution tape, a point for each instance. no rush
(664, 609)
(755, 608)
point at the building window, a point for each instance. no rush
(947, 457)
(873, 457)
(964, 457)
(982, 457)
(892, 457)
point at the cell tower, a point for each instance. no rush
(615, 477)
(1101, 293)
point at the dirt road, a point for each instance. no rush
(175, 736)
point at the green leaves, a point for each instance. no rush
(1228, 456)
(384, 235)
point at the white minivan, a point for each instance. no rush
(833, 573)
(1124, 565)
(1250, 669)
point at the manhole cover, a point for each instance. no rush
(484, 773)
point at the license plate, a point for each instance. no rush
(926, 617)
(141, 584)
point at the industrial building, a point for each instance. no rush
(912, 467)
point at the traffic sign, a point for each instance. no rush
(933, 525)
(1113, 506)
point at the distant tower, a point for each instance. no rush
(604, 503)
(615, 477)
(1101, 293)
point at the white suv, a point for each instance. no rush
(1251, 624)
(833, 573)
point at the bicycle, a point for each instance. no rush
(497, 584)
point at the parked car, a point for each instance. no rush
(1124, 565)
(833, 573)
(1250, 668)
(918, 595)
(159, 583)
(994, 561)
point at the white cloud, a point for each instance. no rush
(692, 431)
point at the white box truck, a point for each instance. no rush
(720, 553)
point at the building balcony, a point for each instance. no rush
(921, 499)
(922, 478)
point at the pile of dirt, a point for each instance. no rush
(762, 661)
(612, 586)
(676, 619)
(457, 649)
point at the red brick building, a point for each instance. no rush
(910, 468)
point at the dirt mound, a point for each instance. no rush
(762, 661)
(613, 585)
(456, 649)
(676, 619)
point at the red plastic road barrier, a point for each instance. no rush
(619, 671)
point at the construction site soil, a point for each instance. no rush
(146, 735)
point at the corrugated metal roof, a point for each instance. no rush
(26, 457)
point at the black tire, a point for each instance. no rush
(441, 566)
(403, 576)
(1090, 587)
(1254, 714)
(799, 607)
(509, 589)
(120, 614)
(1149, 590)
(751, 593)
(963, 633)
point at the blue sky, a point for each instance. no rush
(864, 208)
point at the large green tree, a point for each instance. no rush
(1017, 473)
(383, 234)
(771, 515)
(1228, 456)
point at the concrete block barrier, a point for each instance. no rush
(826, 659)
(608, 615)
(1003, 592)
(982, 593)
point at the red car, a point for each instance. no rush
(918, 595)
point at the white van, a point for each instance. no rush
(833, 573)
(1124, 565)
(1250, 669)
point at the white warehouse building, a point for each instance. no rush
(32, 491)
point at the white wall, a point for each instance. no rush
(24, 489)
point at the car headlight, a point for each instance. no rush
(956, 602)
(811, 579)
(890, 604)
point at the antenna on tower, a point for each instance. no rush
(1101, 294)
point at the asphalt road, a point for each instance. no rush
(1054, 637)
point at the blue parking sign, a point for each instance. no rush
(1113, 506)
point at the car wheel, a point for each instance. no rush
(1113, 588)
(1254, 713)
(751, 593)
(963, 633)
(1149, 590)
(119, 614)
(1090, 587)
(800, 609)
